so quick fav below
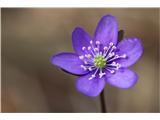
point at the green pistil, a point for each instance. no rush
(99, 61)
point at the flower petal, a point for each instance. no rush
(69, 62)
(123, 78)
(107, 30)
(133, 48)
(91, 87)
(80, 39)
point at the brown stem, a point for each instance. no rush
(103, 105)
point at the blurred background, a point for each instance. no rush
(30, 83)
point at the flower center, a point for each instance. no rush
(99, 61)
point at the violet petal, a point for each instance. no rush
(80, 39)
(69, 62)
(133, 48)
(91, 87)
(123, 78)
(107, 30)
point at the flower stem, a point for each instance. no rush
(103, 105)
(120, 35)
(102, 98)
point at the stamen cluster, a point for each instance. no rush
(99, 60)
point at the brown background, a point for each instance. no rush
(31, 84)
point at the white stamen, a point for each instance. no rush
(113, 63)
(91, 42)
(83, 48)
(89, 56)
(106, 51)
(110, 55)
(121, 56)
(105, 48)
(111, 44)
(94, 75)
(111, 48)
(114, 66)
(89, 47)
(82, 66)
(124, 55)
(81, 57)
(93, 53)
(114, 47)
(101, 74)
(90, 69)
(91, 78)
(97, 42)
(96, 49)
(118, 66)
(113, 53)
(112, 71)
(85, 62)
(117, 56)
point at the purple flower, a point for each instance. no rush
(101, 60)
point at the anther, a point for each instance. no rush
(89, 47)
(88, 56)
(124, 55)
(83, 48)
(113, 63)
(114, 47)
(96, 49)
(97, 43)
(111, 44)
(90, 69)
(116, 56)
(112, 71)
(101, 74)
(85, 62)
(82, 66)
(118, 66)
(91, 42)
(111, 54)
(81, 57)
(92, 76)
(105, 48)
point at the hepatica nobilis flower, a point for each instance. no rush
(101, 60)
